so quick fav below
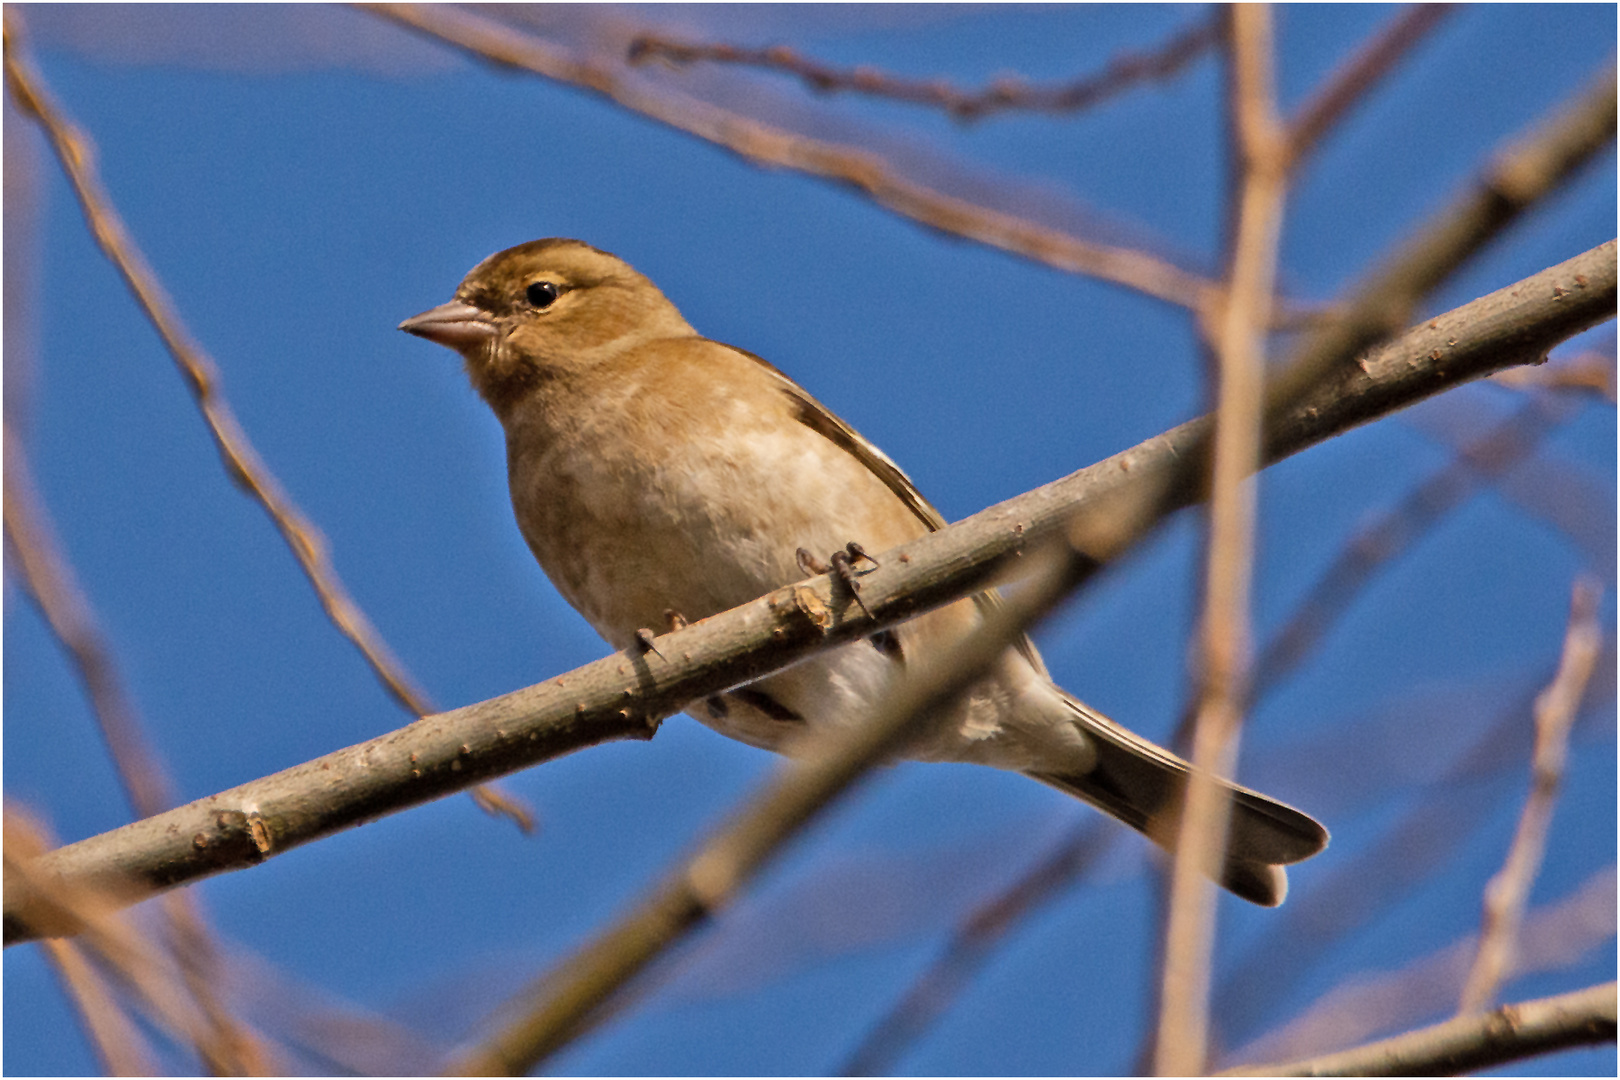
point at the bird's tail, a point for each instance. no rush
(1142, 785)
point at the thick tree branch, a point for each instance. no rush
(624, 695)
(1468, 1044)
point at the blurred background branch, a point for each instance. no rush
(1123, 72)
(1237, 375)
(1508, 892)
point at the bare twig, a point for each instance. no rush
(49, 580)
(1527, 170)
(242, 463)
(158, 987)
(77, 156)
(1468, 1044)
(1239, 346)
(1004, 95)
(1353, 893)
(622, 695)
(1591, 371)
(765, 144)
(1359, 74)
(933, 992)
(1509, 891)
(1394, 532)
(116, 1040)
(1558, 935)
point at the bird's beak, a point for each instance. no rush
(454, 325)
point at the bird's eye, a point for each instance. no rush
(542, 294)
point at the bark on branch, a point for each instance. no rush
(1468, 1044)
(624, 695)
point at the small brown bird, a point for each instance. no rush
(654, 472)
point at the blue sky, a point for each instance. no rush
(303, 179)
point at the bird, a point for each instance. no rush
(659, 476)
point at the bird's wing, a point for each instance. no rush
(820, 419)
(824, 422)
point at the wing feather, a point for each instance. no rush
(824, 422)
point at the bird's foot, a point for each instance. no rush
(644, 637)
(842, 566)
(644, 643)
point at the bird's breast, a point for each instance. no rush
(640, 511)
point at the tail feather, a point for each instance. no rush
(1142, 785)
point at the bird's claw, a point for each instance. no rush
(644, 642)
(809, 563)
(842, 567)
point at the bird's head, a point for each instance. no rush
(542, 309)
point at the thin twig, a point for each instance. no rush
(158, 988)
(1360, 888)
(118, 1043)
(1559, 935)
(1239, 346)
(1471, 1043)
(972, 945)
(1354, 78)
(242, 463)
(1509, 891)
(1591, 371)
(766, 144)
(1526, 170)
(621, 695)
(49, 580)
(1397, 529)
(1124, 70)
